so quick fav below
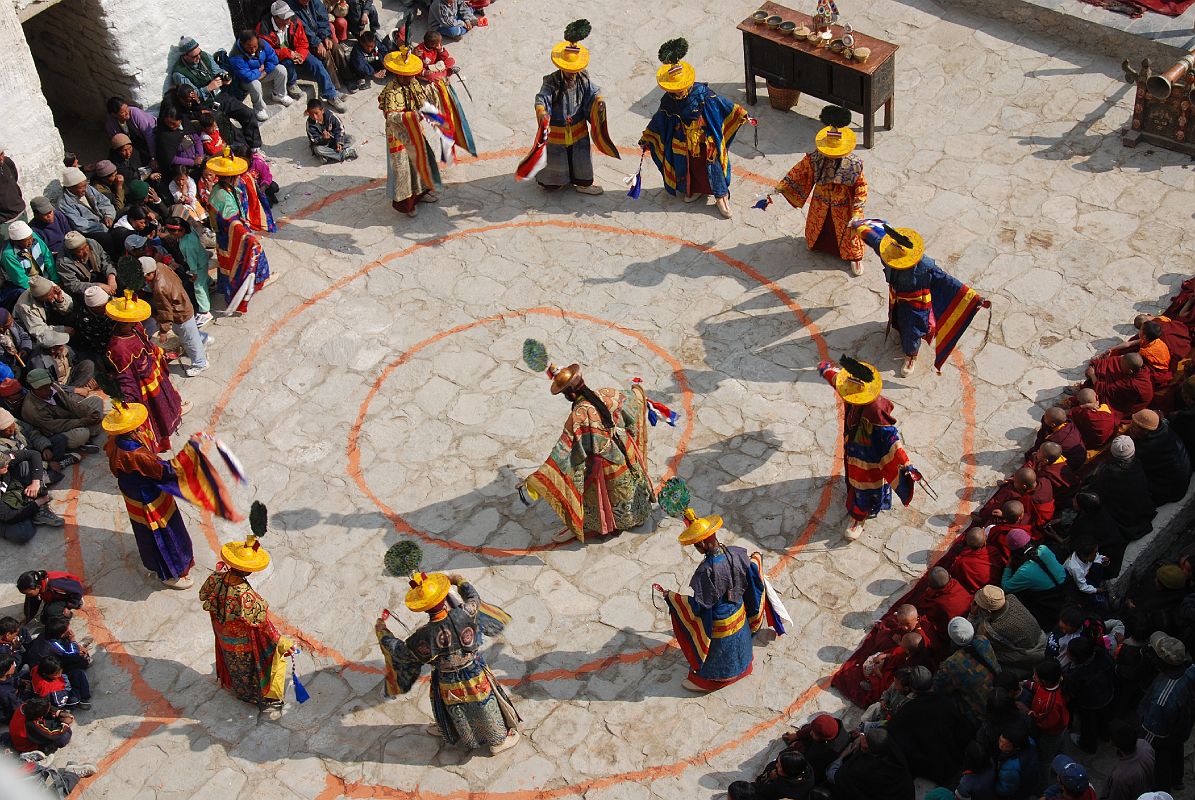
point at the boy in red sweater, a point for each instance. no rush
(433, 52)
(50, 682)
(37, 726)
(1047, 710)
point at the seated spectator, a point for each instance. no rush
(64, 366)
(128, 161)
(1057, 427)
(1123, 382)
(259, 171)
(257, 71)
(1124, 490)
(433, 52)
(57, 640)
(1159, 596)
(50, 594)
(1013, 767)
(172, 310)
(1036, 578)
(187, 100)
(944, 598)
(49, 223)
(43, 308)
(313, 16)
(451, 18)
(24, 501)
(1051, 467)
(1086, 569)
(874, 769)
(365, 60)
(930, 732)
(135, 124)
(1048, 712)
(1095, 420)
(210, 136)
(1009, 516)
(36, 725)
(288, 36)
(88, 211)
(1133, 773)
(977, 564)
(1016, 637)
(1165, 710)
(17, 434)
(84, 263)
(25, 255)
(893, 697)
(1071, 782)
(50, 682)
(14, 638)
(1176, 335)
(360, 14)
(1089, 684)
(822, 741)
(1093, 522)
(1036, 497)
(967, 676)
(110, 183)
(10, 699)
(788, 776)
(326, 135)
(93, 327)
(1162, 455)
(185, 192)
(52, 408)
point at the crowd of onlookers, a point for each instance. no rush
(1012, 661)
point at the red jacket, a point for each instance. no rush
(974, 569)
(43, 734)
(295, 35)
(1048, 709)
(432, 57)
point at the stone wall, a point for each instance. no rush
(27, 132)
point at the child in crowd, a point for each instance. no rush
(433, 53)
(48, 680)
(13, 640)
(50, 594)
(209, 136)
(37, 726)
(366, 60)
(1086, 567)
(186, 193)
(10, 698)
(326, 135)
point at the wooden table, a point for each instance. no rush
(787, 62)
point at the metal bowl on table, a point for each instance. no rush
(802, 32)
(774, 21)
(760, 17)
(787, 27)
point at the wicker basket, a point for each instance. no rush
(783, 99)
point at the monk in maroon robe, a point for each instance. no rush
(1057, 427)
(943, 599)
(1176, 335)
(1095, 420)
(977, 563)
(1052, 467)
(1123, 381)
(1035, 497)
(139, 366)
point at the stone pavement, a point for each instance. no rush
(375, 392)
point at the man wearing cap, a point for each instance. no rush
(1133, 771)
(968, 674)
(469, 705)
(93, 327)
(56, 357)
(1123, 489)
(924, 301)
(287, 36)
(54, 409)
(1162, 455)
(875, 459)
(197, 68)
(135, 125)
(689, 135)
(44, 307)
(49, 223)
(84, 263)
(88, 211)
(109, 181)
(24, 501)
(833, 175)
(17, 434)
(173, 310)
(127, 160)
(160, 530)
(571, 106)
(1166, 710)
(715, 624)
(1004, 621)
(596, 478)
(25, 254)
(822, 741)
(1071, 781)
(199, 83)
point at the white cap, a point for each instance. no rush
(281, 9)
(18, 231)
(72, 176)
(960, 631)
(94, 296)
(148, 265)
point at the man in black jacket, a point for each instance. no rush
(24, 502)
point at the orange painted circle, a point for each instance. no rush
(401, 525)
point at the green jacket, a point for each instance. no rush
(19, 268)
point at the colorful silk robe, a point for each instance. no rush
(838, 192)
(593, 484)
(250, 653)
(411, 169)
(576, 116)
(714, 625)
(255, 207)
(692, 135)
(140, 368)
(875, 458)
(924, 301)
(239, 254)
(160, 530)
(469, 705)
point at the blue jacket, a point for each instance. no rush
(10, 699)
(248, 68)
(315, 20)
(1165, 709)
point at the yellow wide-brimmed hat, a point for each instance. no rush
(227, 165)
(567, 378)
(427, 591)
(127, 308)
(125, 417)
(246, 556)
(403, 62)
(895, 255)
(855, 391)
(699, 528)
(676, 77)
(834, 142)
(570, 56)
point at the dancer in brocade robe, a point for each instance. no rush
(242, 263)
(139, 367)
